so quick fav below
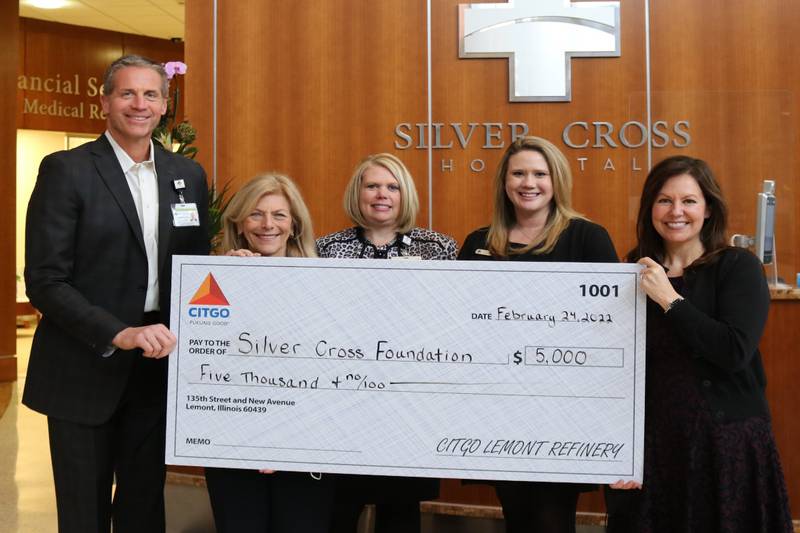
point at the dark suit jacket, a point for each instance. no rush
(86, 272)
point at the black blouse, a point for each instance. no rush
(581, 242)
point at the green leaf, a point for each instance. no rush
(189, 151)
(218, 200)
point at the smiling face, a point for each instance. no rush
(379, 198)
(529, 185)
(679, 211)
(268, 226)
(135, 106)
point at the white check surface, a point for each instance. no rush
(486, 370)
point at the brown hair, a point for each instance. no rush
(712, 235)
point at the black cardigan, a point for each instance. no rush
(720, 322)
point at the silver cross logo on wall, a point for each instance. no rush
(539, 38)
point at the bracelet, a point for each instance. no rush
(672, 304)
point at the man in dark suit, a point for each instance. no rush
(103, 223)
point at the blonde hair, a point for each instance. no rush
(561, 212)
(409, 201)
(300, 243)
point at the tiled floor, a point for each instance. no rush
(27, 504)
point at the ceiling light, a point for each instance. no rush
(48, 4)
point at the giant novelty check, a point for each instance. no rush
(487, 370)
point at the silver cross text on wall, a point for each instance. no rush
(539, 38)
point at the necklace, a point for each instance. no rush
(530, 235)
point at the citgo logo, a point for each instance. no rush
(208, 301)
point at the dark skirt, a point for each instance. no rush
(701, 475)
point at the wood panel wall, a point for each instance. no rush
(309, 88)
(63, 51)
(278, 114)
(731, 72)
(9, 15)
(200, 79)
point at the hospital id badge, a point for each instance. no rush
(185, 215)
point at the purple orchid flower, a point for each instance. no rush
(174, 67)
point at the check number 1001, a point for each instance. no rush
(603, 291)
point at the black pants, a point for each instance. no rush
(620, 505)
(403, 517)
(396, 502)
(128, 447)
(538, 507)
(246, 501)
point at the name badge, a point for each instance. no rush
(185, 215)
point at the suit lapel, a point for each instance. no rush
(111, 173)
(165, 171)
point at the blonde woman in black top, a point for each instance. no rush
(533, 220)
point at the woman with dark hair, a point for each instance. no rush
(710, 460)
(533, 220)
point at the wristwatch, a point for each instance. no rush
(672, 304)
